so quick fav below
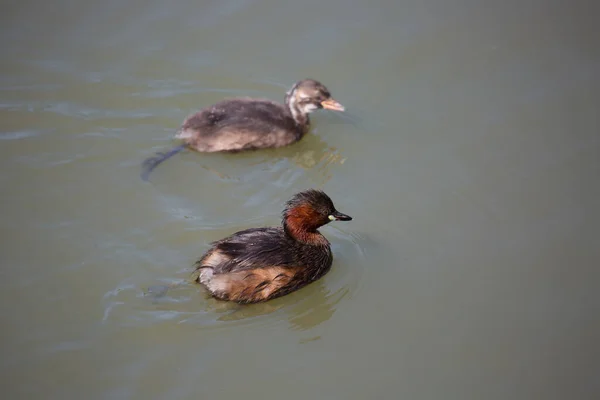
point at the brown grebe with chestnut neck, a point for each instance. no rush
(260, 264)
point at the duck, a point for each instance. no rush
(240, 124)
(260, 264)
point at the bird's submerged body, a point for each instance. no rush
(259, 264)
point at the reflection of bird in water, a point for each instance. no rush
(321, 306)
(312, 152)
(304, 309)
(312, 310)
(312, 155)
(309, 160)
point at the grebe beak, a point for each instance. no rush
(338, 216)
(331, 104)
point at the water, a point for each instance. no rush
(468, 158)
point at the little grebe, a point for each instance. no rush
(259, 264)
(248, 124)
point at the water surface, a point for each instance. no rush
(468, 158)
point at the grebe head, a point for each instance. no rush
(309, 95)
(308, 210)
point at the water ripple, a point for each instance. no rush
(27, 133)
